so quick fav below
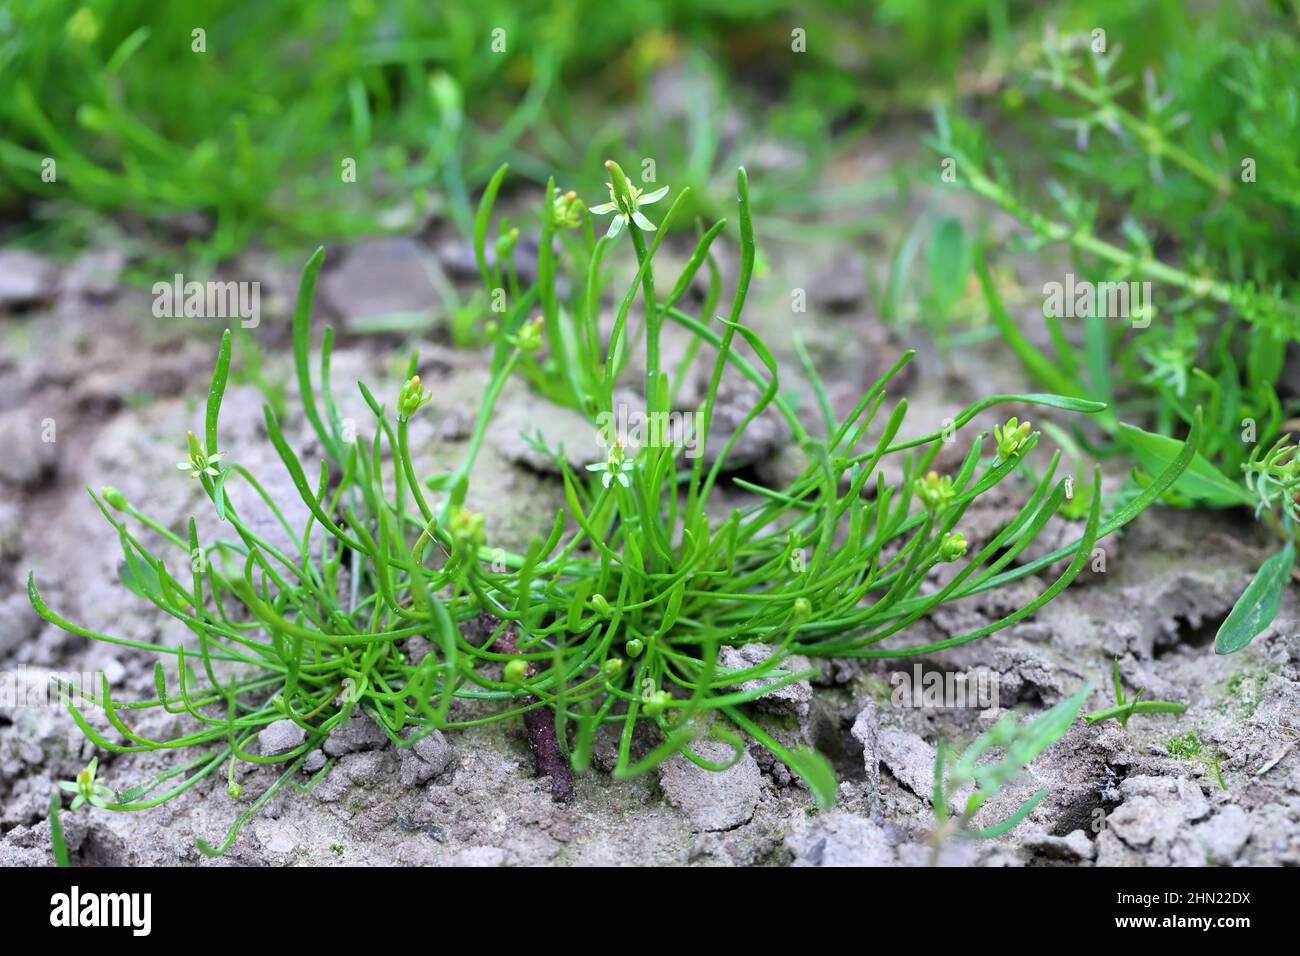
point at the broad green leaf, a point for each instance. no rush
(947, 260)
(139, 575)
(1258, 604)
(1201, 482)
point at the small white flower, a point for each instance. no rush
(633, 215)
(616, 467)
(199, 464)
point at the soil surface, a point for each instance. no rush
(94, 390)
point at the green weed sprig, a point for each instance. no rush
(1186, 164)
(1014, 744)
(615, 619)
(1125, 708)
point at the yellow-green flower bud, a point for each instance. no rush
(529, 336)
(953, 547)
(516, 671)
(1011, 438)
(655, 702)
(412, 398)
(934, 492)
(466, 529)
(566, 213)
(114, 497)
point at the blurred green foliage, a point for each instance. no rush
(251, 132)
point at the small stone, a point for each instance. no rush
(279, 842)
(1225, 834)
(456, 425)
(841, 839)
(416, 648)
(866, 730)
(713, 800)
(28, 457)
(1077, 841)
(841, 283)
(910, 759)
(380, 278)
(760, 440)
(1073, 847)
(562, 429)
(427, 758)
(26, 279)
(358, 732)
(96, 274)
(314, 762)
(280, 737)
(363, 769)
(789, 699)
(1155, 824)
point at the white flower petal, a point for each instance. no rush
(615, 227)
(602, 209)
(655, 196)
(622, 479)
(643, 222)
(605, 479)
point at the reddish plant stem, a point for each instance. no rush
(539, 726)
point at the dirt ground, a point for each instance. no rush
(82, 360)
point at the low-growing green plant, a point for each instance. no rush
(992, 761)
(1184, 746)
(1164, 184)
(1125, 708)
(616, 618)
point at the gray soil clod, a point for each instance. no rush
(280, 737)
(713, 800)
